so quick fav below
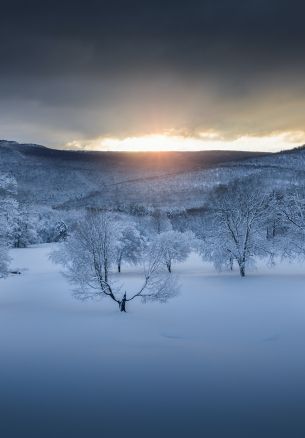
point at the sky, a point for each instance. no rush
(150, 75)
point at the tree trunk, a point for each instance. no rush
(242, 271)
(231, 263)
(273, 229)
(169, 267)
(119, 267)
(122, 304)
(106, 271)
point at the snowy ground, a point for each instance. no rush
(226, 358)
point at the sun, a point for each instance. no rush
(146, 143)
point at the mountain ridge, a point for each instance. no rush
(77, 179)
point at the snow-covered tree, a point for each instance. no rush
(95, 241)
(60, 232)
(129, 246)
(54, 225)
(291, 207)
(9, 207)
(89, 254)
(24, 231)
(173, 246)
(4, 261)
(8, 214)
(160, 221)
(236, 226)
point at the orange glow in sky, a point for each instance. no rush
(205, 141)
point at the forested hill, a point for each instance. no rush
(73, 179)
(130, 161)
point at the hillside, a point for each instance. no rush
(73, 179)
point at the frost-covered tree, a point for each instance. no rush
(236, 226)
(130, 245)
(173, 246)
(25, 229)
(8, 214)
(160, 221)
(89, 254)
(9, 208)
(54, 225)
(291, 207)
(4, 261)
(60, 232)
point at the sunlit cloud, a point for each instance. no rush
(209, 140)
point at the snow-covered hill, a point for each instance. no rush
(73, 179)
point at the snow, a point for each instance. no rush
(225, 358)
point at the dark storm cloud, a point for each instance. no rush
(93, 68)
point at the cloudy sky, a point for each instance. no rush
(153, 74)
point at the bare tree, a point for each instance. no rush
(89, 255)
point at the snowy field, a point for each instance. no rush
(225, 358)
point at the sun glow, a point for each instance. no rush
(204, 141)
(149, 143)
